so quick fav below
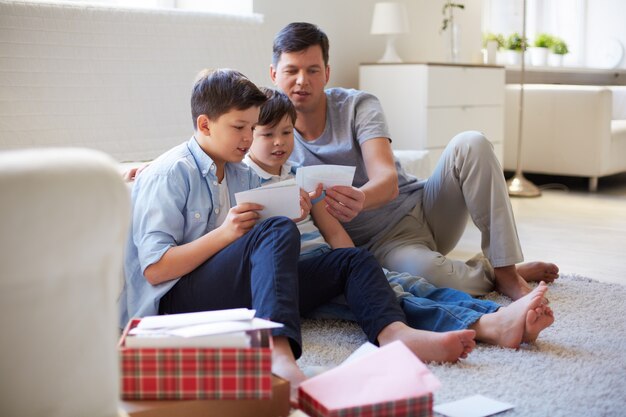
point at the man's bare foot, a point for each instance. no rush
(430, 346)
(284, 365)
(511, 325)
(537, 320)
(538, 271)
(510, 283)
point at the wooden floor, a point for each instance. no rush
(582, 232)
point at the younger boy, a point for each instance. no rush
(426, 307)
(192, 248)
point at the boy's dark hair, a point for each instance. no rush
(216, 92)
(298, 36)
(276, 108)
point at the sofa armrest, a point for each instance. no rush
(566, 130)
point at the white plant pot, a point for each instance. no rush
(490, 52)
(555, 60)
(513, 57)
(539, 56)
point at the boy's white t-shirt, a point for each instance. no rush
(224, 200)
(311, 239)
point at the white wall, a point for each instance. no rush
(347, 24)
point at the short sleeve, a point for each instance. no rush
(369, 119)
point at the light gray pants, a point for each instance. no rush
(468, 179)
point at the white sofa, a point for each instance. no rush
(571, 130)
(65, 215)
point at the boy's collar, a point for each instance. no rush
(203, 160)
(285, 170)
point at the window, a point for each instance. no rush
(563, 18)
(218, 6)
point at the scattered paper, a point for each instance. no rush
(279, 199)
(222, 327)
(328, 175)
(189, 319)
(364, 349)
(474, 406)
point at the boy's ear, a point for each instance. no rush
(203, 125)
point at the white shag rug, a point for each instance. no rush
(576, 368)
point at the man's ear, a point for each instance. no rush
(327, 71)
(273, 74)
(203, 124)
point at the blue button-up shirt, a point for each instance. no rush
(175, 201)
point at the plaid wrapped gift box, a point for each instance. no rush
(389, 381)
(409, 407)
(196, 373)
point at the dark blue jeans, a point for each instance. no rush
(260, 270)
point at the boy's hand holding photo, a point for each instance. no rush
(240, 220)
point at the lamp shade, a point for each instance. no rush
(389, 18)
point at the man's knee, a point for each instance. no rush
(472, 141)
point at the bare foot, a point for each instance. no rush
(430, 346)
(284, 365)
(537, 320)
(538, 271)
(510, 283)
(509, 325)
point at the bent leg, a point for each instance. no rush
(258, 270)
(355, 273)
(468, 179)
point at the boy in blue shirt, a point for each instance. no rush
(192, 248)
(426, 307)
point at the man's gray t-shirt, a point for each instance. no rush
(352, 118)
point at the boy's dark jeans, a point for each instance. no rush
(260, 270)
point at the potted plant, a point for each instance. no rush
(451, 28)
(557, 50)
(514, 45)
(492, 42)
(539, 51)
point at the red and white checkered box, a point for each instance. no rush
(409, 407)
(196, 373)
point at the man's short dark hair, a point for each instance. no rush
(276, 108)
(298, 36)
(216, 92)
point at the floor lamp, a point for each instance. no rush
(518, 185)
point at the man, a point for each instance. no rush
(409, 225)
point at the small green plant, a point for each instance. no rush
(515, 42)
(448, 13)
(493, 37)
(543, 40)
(559, 47)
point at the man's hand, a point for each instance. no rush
(344, 203)
(240, 220)
(131, 174)
(305, 202)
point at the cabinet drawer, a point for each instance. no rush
(458, 86)
(446, 122)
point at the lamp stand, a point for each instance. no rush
(518, 185)
(390, 56)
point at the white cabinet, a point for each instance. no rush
(428, 104)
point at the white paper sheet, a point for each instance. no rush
(189, 319)
(328, 175)
(474, 406)
(279, 199)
